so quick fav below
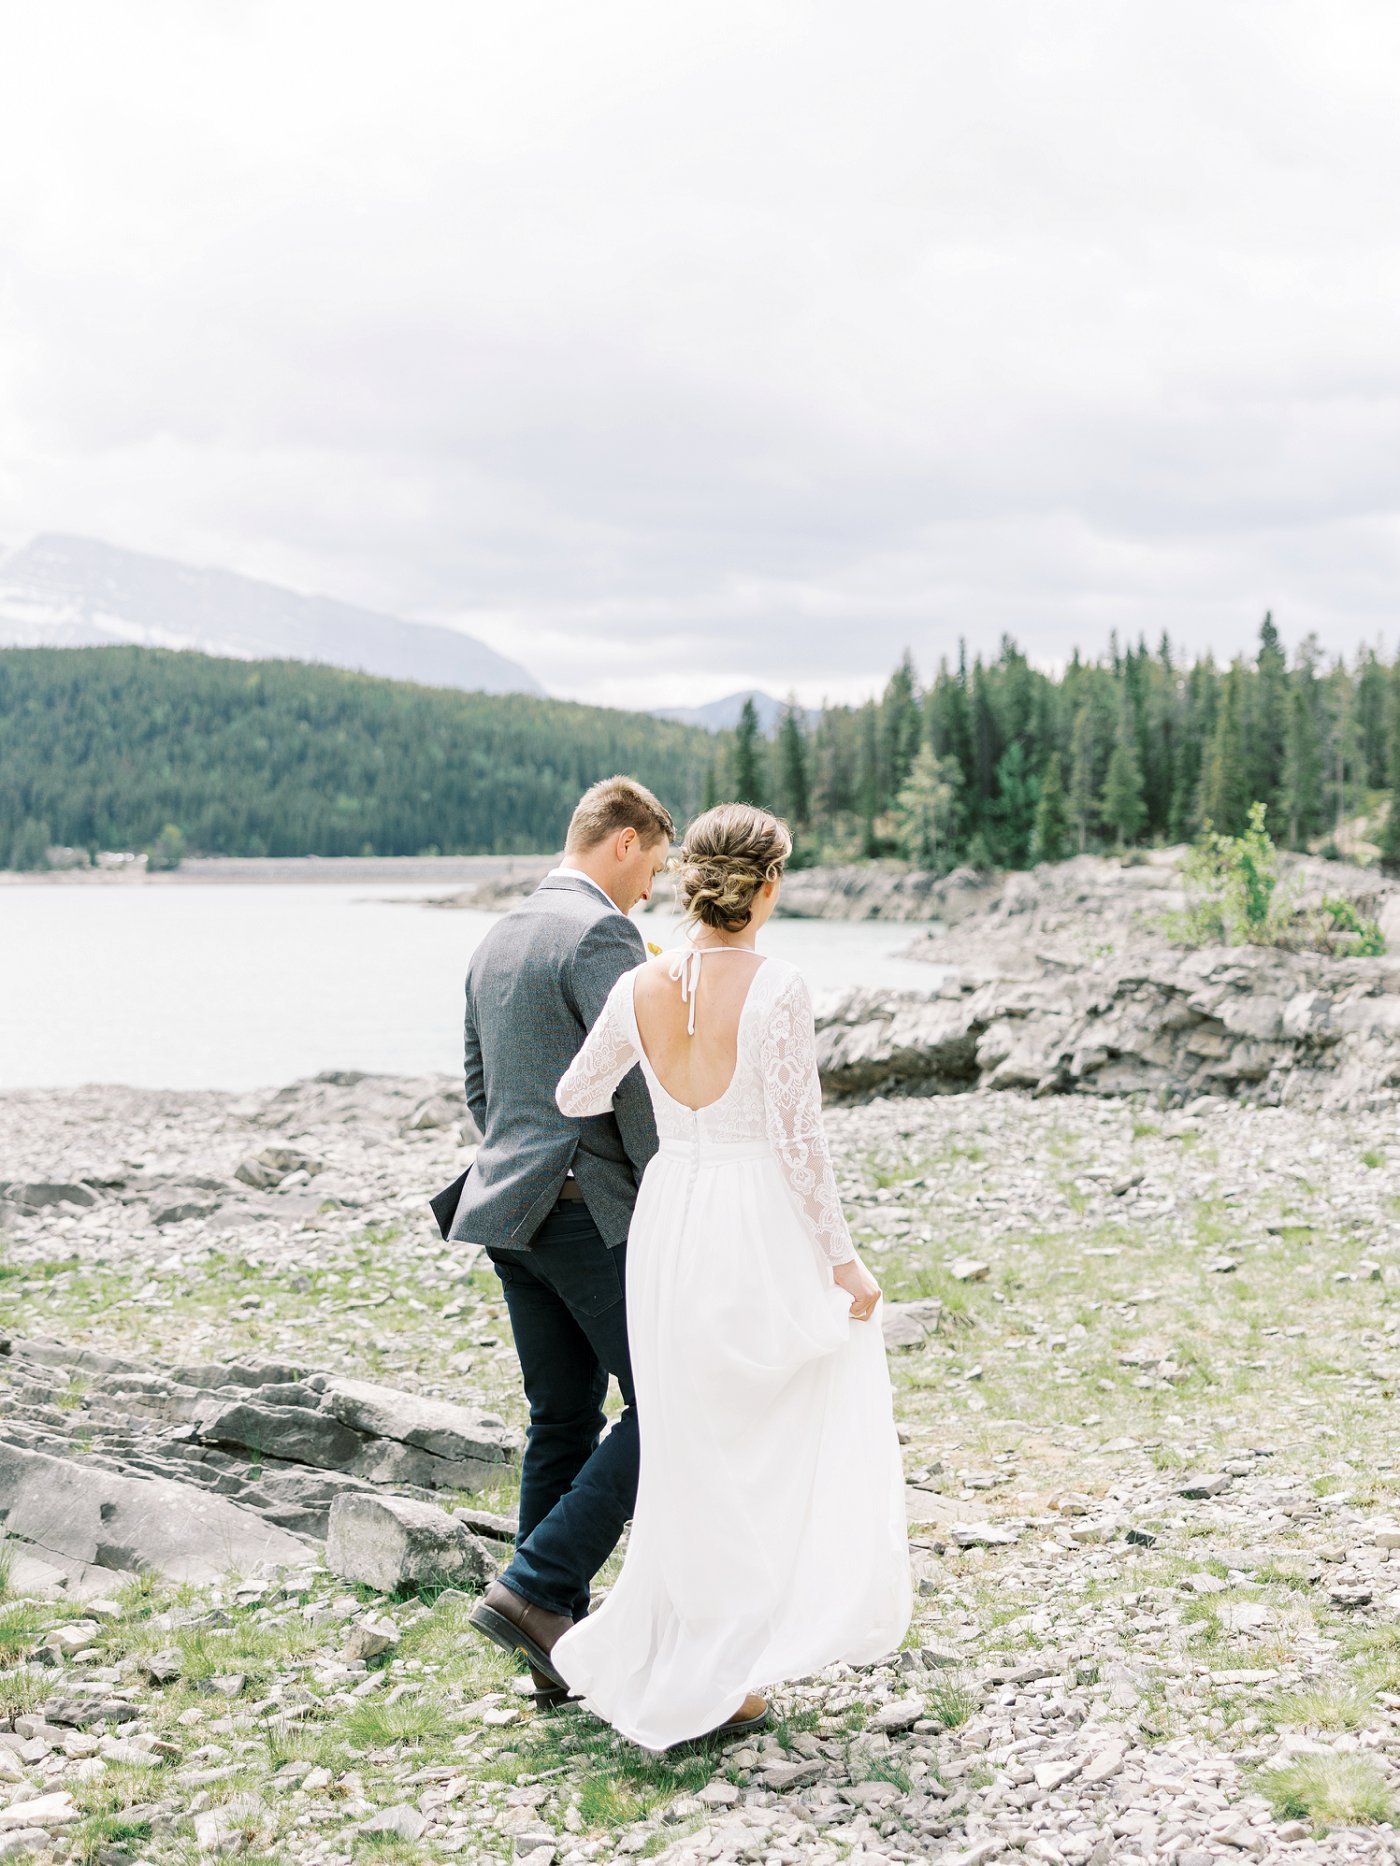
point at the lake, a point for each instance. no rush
(247, 986)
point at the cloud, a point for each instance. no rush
(674, 348)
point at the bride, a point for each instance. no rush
(769, 1537)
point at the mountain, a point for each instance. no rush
(723, 715)
(66, 592)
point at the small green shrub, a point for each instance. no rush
(1232, 889)
(1235, 898)
(1348, 932)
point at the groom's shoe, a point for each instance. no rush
(520, 1626)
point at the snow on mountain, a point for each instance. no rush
(66, 592)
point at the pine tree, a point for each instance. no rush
(986, 747)
(1051, 840)
(749, 782)
(1390, 835)
(1121, 804)
(1302, 771)
(710, 795)
(901, 727)
(868, 799)
(926, 807)
(794, 787)
(835, 763)
(1083, 792)
(1372, 723)
(1013, 808)
(1267, 737)
(1225, 798)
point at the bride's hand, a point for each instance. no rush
(860, 1286)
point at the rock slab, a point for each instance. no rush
(392, 1542)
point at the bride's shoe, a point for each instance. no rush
(752, 1714)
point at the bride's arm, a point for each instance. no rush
(792, 1096)
(589, 1083)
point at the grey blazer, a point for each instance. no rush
(535, 986)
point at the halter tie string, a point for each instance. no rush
(686, 967)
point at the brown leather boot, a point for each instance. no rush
(518, 1625)
(752, 1714)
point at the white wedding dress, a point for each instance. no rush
(769, 1536)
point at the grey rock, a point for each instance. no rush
(19, 1842)
(41, 1811)
(454, 1433)
(292, 1432)
(181, 1210)
(37, 1194)
(437, 1111)
(392, 1542)
(266, 1170)
(79, 1713)
(1025, 1009)
(982, 1535)
(1209, 1485)
(901, 1715)
(908, 1324)
(230, 1827)
(786, 1775)
(95, 1518)
(402, 1821)
(163, 1667)
(370, 1637)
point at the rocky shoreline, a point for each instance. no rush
(1063, 981)
(1143, 1366)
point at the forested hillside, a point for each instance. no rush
(998, 762)
(105, 747)
(992, 762)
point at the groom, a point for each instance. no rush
(551, 1199)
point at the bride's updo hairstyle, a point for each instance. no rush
(727, 856)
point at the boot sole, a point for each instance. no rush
(506, 1634)
(738, 1727)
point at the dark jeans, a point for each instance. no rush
(565, 1297)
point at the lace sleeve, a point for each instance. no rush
(609, 1050)
(792, 1099)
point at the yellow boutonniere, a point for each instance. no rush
(653, 949)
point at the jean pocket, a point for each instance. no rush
(587, 1277)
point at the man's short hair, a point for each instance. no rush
(614, 804)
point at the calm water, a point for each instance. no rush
(240, 987)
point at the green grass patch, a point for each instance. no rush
(1329, 1791)
(950, 1700)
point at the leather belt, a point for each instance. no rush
(570, 1190)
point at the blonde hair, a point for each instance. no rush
(727, 856)
(614, 804)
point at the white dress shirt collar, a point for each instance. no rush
(567, 868)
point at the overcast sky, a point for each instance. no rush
(677, 345)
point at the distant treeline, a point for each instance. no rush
(106, 748)
(993, 763)
(999, 763)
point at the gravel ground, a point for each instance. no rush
(1153, 1505)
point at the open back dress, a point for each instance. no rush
(769, 1535)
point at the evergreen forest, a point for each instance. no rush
(998, 763)
(136, 748)
(993, 762)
